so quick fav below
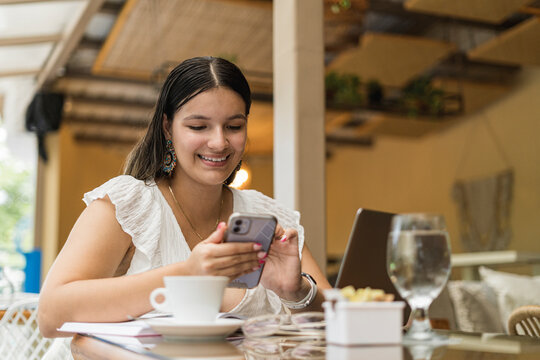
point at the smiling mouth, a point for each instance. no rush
(214, 159)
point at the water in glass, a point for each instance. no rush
(419, 265)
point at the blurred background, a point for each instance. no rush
(431, 106)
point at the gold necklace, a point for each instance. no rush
(189, 221)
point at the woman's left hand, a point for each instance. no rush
(282, 268)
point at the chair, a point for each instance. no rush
(525, 320)
(19, 332)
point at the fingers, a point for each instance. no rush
(252, 260)
(229, 249)
(235, 272)
(279, 232)
(217, 236)
(232, 263)
(289, 235)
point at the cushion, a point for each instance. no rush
(441, 311)
(512, 291)
(475, 307)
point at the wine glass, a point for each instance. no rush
(418, 263)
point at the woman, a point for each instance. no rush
(165, 216)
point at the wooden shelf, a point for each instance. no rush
(491, 11)
(393, 60)
(519, 45)
(475, 95)
(393, 125)
(366, 123)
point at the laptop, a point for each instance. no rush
(364, 261)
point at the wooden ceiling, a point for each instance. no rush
(167, 31)
(112, 84)
(518, 45)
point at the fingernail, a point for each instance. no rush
(221, 225)
(261, 255)
(261, 261)
(257, 246)
(256, 268)
(283, 238)
(265, 256)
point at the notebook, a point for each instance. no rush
(364, 261)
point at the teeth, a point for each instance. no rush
(213, 159)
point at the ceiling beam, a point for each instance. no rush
(120, 92)
(87, 121)
(19, 73)
(109, 103)
(93, 127)
(531, 10)
(105, 138)
(13, 2)
(29, 40)
(71, 37)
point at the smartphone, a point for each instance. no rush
(251, 228)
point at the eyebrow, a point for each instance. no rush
(202, 117)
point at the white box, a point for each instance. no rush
(362, 323)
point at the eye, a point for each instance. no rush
(235, 127)
(197, 128)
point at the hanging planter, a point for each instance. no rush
(343, 90)
(418, 99)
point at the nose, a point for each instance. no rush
(218, 141)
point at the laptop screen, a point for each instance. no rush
(364, 262)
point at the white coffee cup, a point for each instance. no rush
(191, 298)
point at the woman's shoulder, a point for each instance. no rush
(123, 187)
(128, 180)
(257, 202)
(255, 197)
(138, 210)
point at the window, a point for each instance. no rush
(17, 193)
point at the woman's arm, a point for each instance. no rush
(309, 265)
(80, 285)
(283, 266)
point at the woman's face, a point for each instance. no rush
(209, 136)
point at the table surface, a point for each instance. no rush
(464, 346)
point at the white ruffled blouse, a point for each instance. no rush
(144, 214)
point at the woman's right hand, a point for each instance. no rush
(213, 257)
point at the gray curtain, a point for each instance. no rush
(484, 211)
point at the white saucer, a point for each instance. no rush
(173, 329)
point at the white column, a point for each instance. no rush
(299, 142)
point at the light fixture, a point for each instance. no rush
(242, 178)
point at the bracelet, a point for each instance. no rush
(306, 301)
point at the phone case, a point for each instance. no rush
(252, 228)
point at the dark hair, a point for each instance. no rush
(184, 82)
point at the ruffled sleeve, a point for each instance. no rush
(138, 212)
